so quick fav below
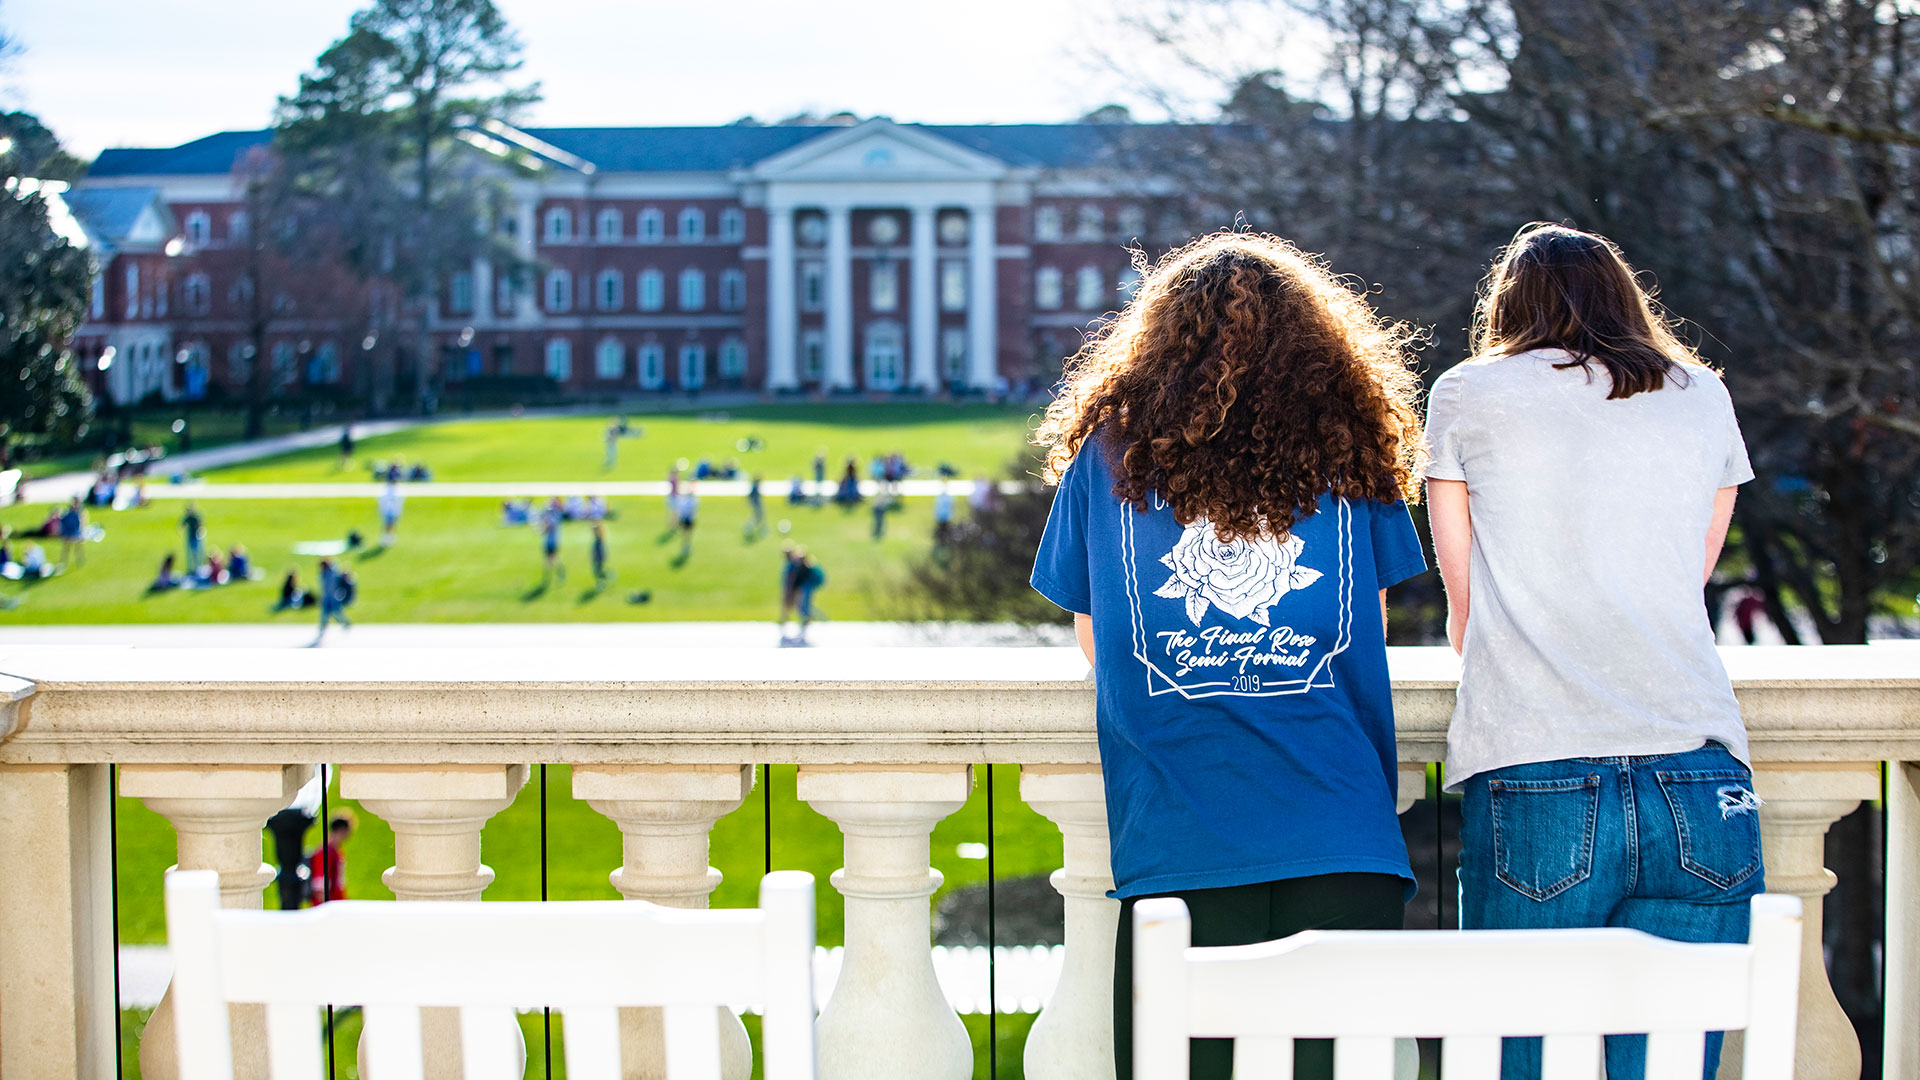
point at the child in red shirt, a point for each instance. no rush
(327, 868)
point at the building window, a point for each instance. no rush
(133, 290)
(693, 289)
(559, 359)
(240, 293)
(733, 359)
(199, 228)
(1091, 224)
(884, 356)
(883, 286)
(813, 286)
(609, 230)
(651, 226)
(284, 367)
(953, 285)
(1046, 288)
(953, 354)
(733, 290)
(240, 363)
(733, 226)
(693, 225)
(324, 366)
(503, 359)
(559, 225)
(559, 290)
(609, 360)
(1089, 289)
(812, 229)
(237, 227)
(608, 294)
(884, 229)
(953, 228)
(693, 365)
(99, 310)
(161, 288)
(1046, 223)
(813, 355)
(506, 290)
(652, 290)
(1133, 222)
(460, 293)
(652, 362)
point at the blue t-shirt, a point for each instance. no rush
(1244, 710)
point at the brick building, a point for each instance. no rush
(874, 257)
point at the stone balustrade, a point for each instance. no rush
(435, 742)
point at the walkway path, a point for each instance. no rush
(633, 635)
(60, 488)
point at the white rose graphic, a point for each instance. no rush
(1240, 577)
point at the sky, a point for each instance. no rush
(105, 73)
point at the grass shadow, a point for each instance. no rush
(373, 552)
(534, 593)
(680, 560)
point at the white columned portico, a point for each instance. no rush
(925, 374)
(526, 297)
(983, 299)
(782, 321)
(839, 318)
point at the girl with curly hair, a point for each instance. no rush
(1234, 454)
(1584, 464)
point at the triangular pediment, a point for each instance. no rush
(151, 227)
(879, 150)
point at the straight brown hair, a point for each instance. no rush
(1557, 287)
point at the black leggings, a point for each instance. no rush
(1242, 915)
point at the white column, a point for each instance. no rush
(482, 315)
(666, 814)
(217, 813)
(526, 302)
(436, 812)
(56, 953)
(925, 323)
(887, 1016)
(1073, 1037)
(1799, 803)
(1902, 1042)
(783, 324)
(839, 316)
(983, 300)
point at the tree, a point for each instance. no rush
(980, 574)
(384, 126)
(46, 283)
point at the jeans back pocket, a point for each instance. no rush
(1543, 833)
(1717, 817)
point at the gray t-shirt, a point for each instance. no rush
(1587, 633)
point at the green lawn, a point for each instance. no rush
(455, 562)
(975, 438)
(583, 847)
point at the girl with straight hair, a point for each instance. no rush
(1582, 472)
(1233, 454)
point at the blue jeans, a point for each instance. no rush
(1668, 844)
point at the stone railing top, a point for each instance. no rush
(881, 706)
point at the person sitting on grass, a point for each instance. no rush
(167, 578)
(516, 511)
(849, 491)
(239, 566)
(292, 596)
(796, 491)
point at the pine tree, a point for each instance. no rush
(377, 127)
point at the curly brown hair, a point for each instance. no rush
(1242, 382)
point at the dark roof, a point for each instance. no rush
(110, 213)
(213, 155)
(685, 149)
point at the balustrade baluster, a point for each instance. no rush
(666, 815)
(436, 813)
(887, 1016)
(1799, 803)
(1073, 1037)
(217, 813)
